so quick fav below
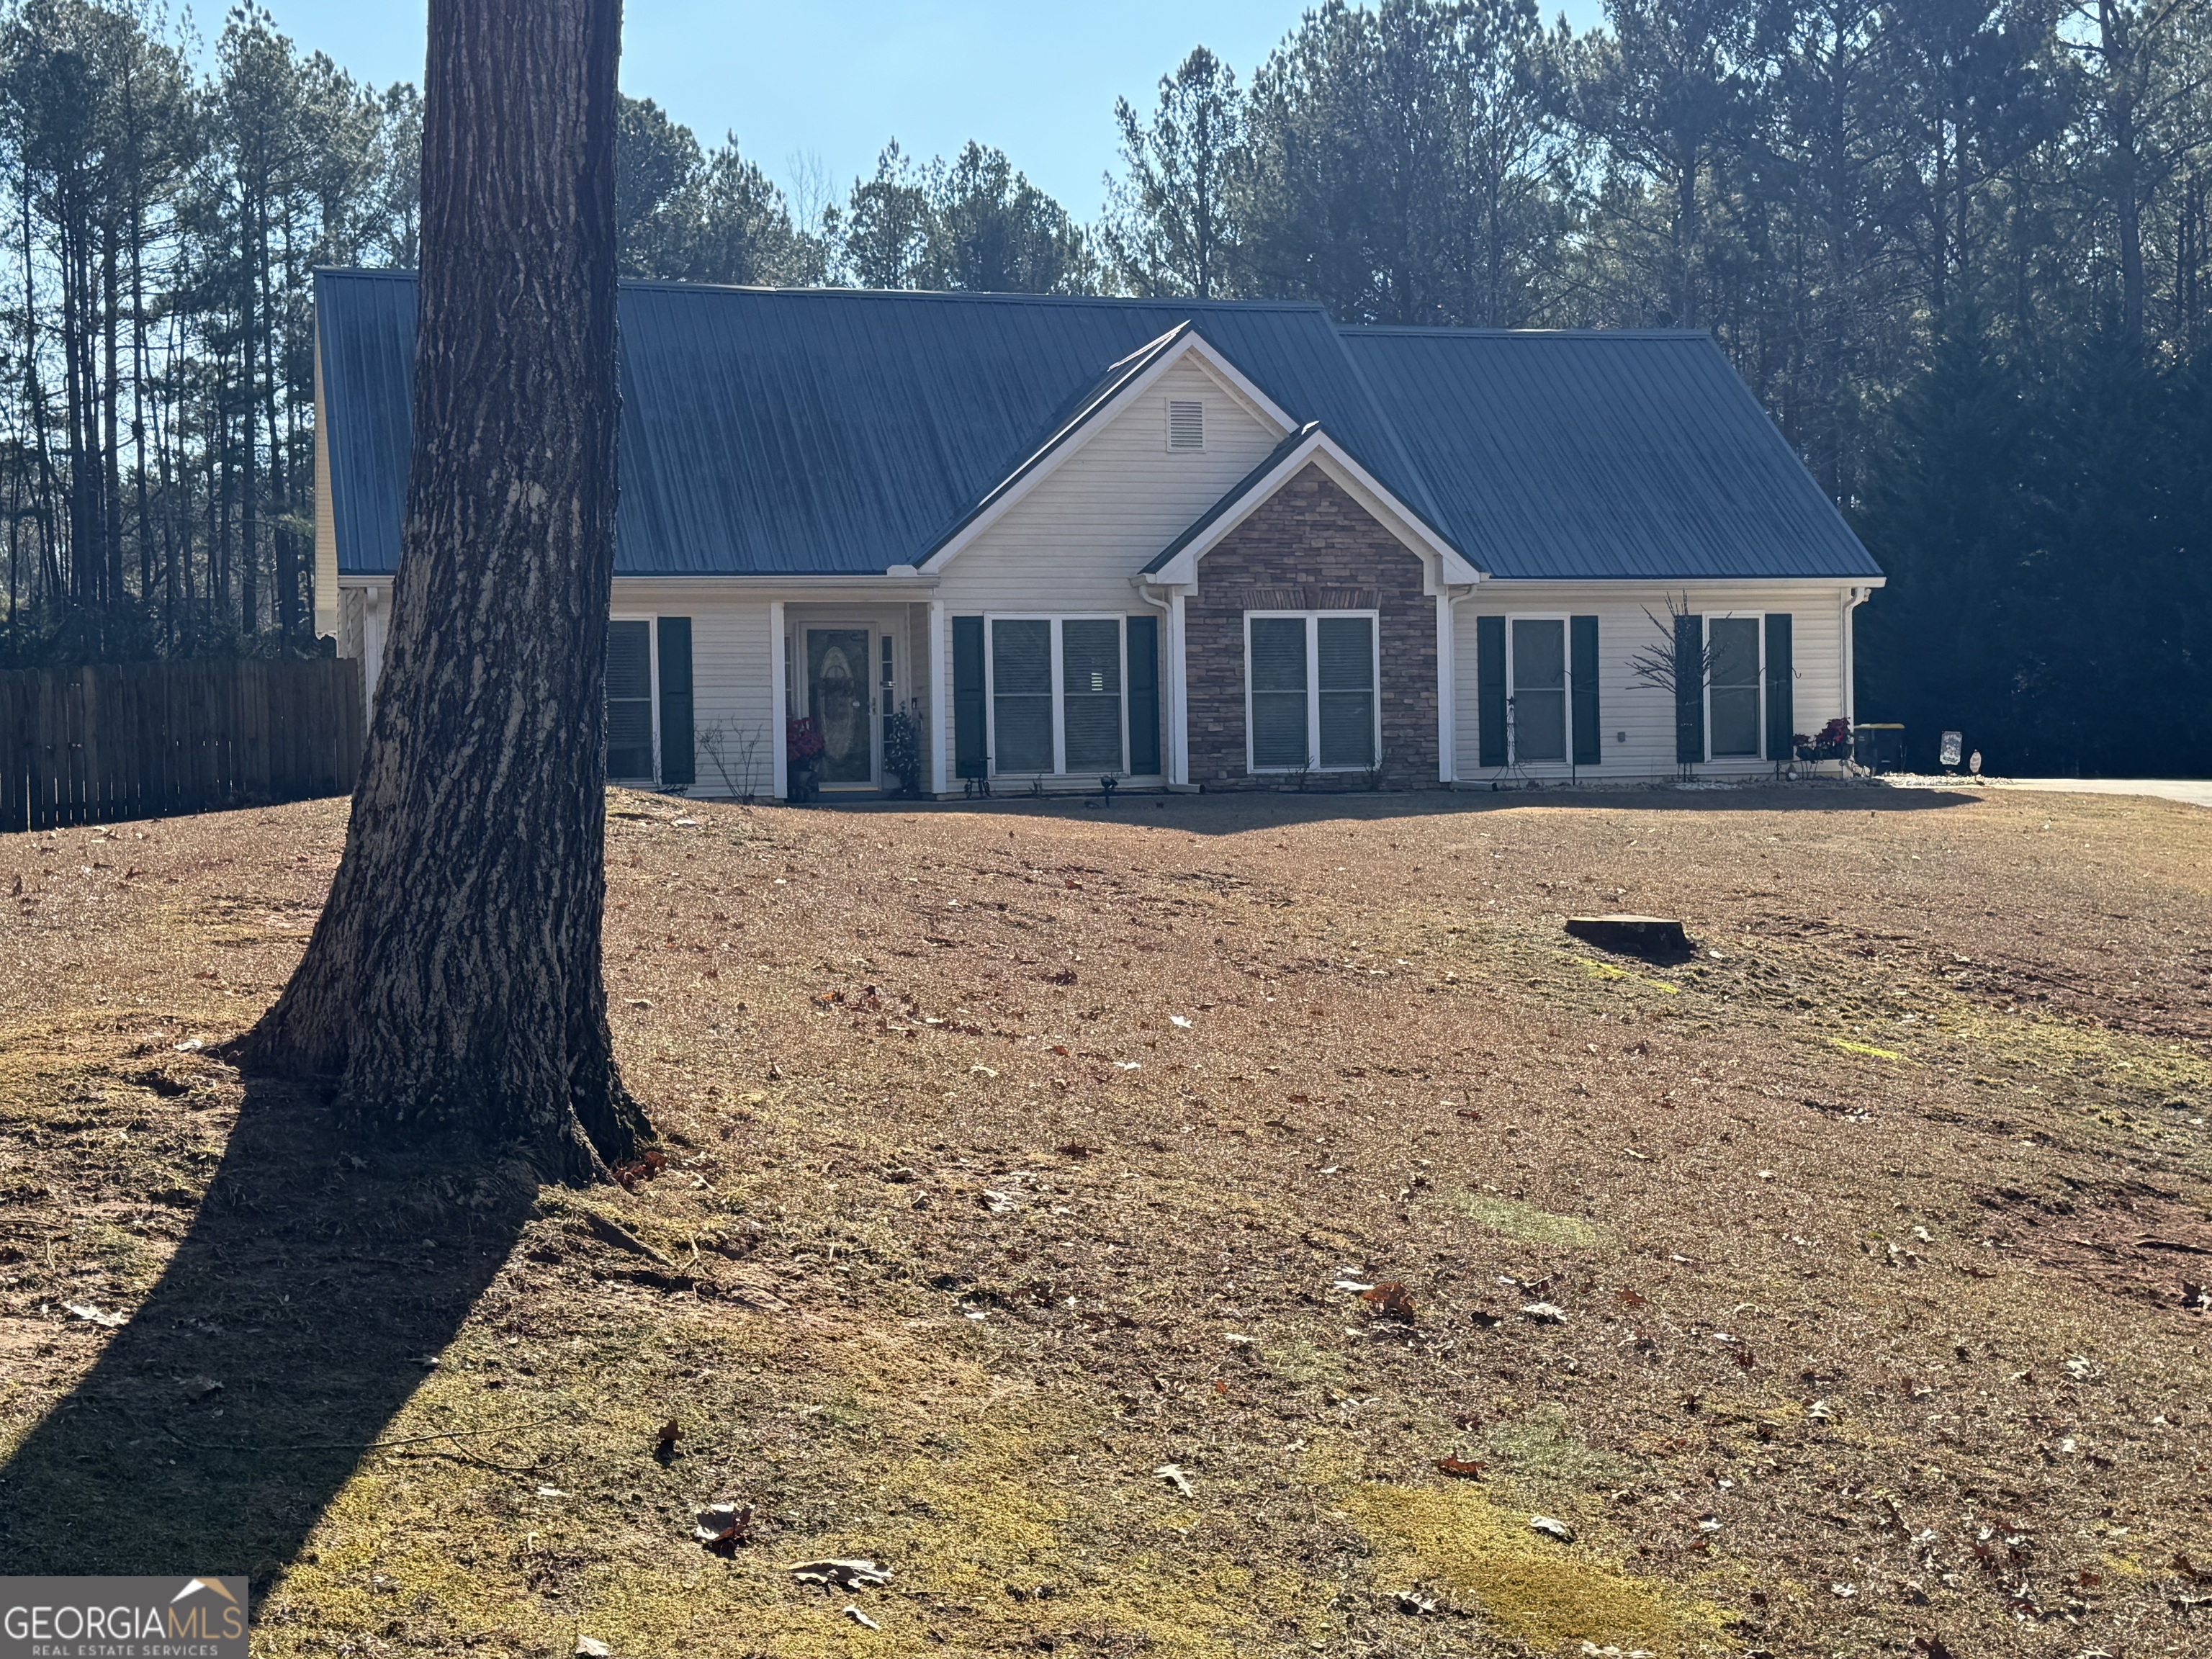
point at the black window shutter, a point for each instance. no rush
(1490, 687)
(678, 764)
(1689, 691)
(1143, 696)
(1781, 681)
(1589, 740)
(969, 746)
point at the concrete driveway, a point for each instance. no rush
(2194, 792)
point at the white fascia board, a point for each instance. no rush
(893, 588)
(1446, 565)
(1232, 379)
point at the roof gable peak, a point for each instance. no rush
(1123, 383)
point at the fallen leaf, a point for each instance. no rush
(86, 1311)
(635, 1171)
(1552, 1528)
(859, 1618)
(722, 1527)
(1179, 1022)
(1419, 1606)
(200, 1388)
(1543, 1313)
(1390, 1299)
(1459, 1467)
(590, 1647)
(847, 1575)
(996, 1202)
(1173, 1474)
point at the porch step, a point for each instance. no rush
(1642, 936)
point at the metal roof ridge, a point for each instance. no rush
(1356, 331)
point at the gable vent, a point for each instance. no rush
(1186, 424)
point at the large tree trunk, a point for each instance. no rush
(454, 982)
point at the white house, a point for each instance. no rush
(1185, 544)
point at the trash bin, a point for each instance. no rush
(1878, 748)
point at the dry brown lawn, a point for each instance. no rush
(1024, 1162)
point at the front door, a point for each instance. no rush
(838, 697)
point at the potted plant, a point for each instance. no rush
(902, 748)
(802, 750)
(1831, 742)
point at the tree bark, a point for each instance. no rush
(454, 982)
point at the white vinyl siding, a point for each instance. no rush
(732, 670)
(1645, 713)
(1070, 547)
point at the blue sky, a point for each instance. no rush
(832, 79)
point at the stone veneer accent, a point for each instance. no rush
(1310, 547)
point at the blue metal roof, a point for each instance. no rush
(1609, 455)
(838, 432)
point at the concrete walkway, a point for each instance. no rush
(2194, 792)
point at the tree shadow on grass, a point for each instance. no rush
(1234, 812)
(315, 1285)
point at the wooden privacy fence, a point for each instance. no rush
(135, 740)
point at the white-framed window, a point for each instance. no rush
(1310, 684)
(1736, 688)
(632, 694)
(1538, 687)
(1055, 693)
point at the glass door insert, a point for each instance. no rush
(839, 697)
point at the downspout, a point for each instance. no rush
(1167, 600)
(1447, 595)
(1853, 599)
(1447, 692)
(777, 708)
(938, 739)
